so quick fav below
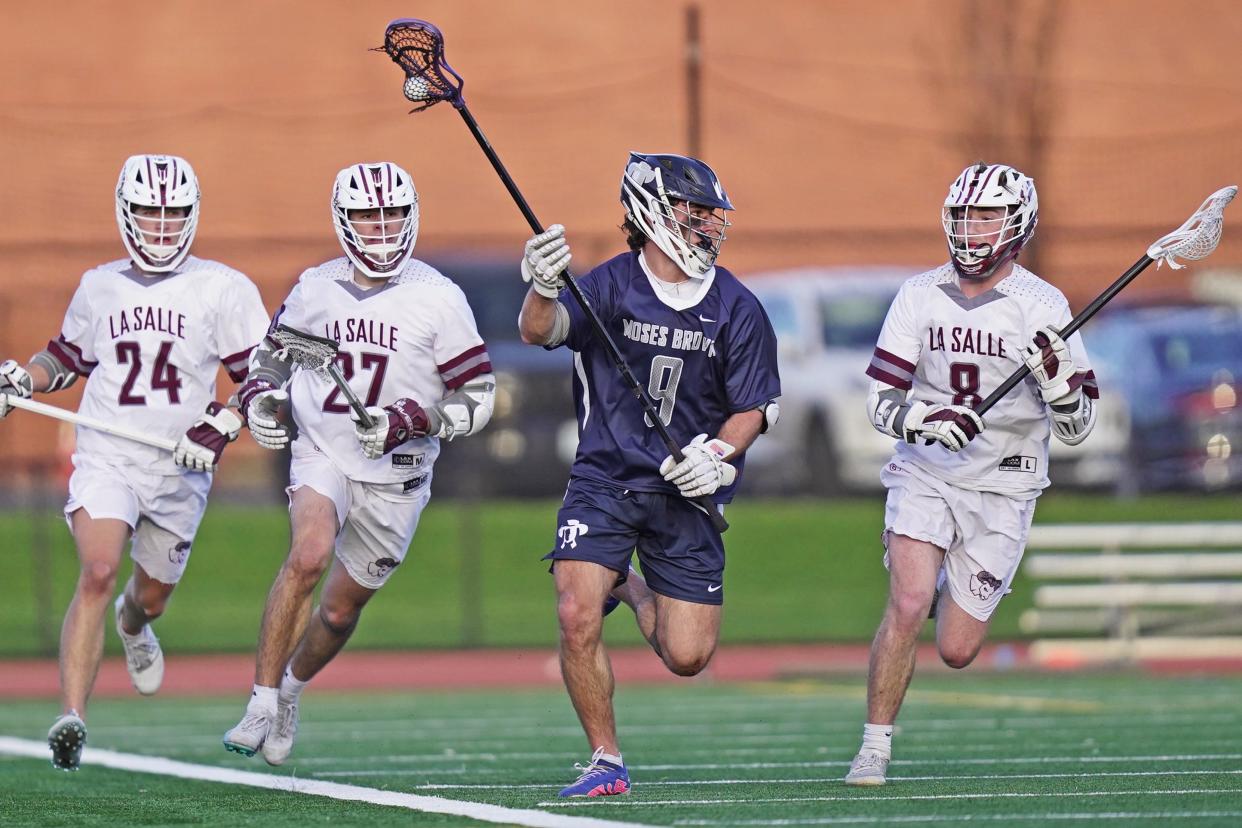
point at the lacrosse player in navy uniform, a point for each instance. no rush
(702, 347)
(961, 498)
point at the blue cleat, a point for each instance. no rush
(600, 778)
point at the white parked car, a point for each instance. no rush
(827, 321)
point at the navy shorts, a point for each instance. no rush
(681, 555)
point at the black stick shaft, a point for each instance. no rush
(1074, 324)
(703, 501)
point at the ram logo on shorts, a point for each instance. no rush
(380, 568)
(179, 553)
(983, 584)
(570, 531)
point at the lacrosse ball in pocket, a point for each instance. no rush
(416, 88)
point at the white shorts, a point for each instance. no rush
(162, 510)
(983, 533)
(376, 520)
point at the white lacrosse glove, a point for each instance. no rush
(264, 411)
(199, 449)
(703, 471)
(15, 380)
(1048, 357)
(547, 257)
(393, 425)
(952, 426)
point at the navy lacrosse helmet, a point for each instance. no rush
(658, 191)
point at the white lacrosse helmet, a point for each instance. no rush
(158, 181)
(973, 247)
(388, 188)
(653, 188)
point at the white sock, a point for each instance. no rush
(878, 738)
(608, 757)
(291, 686)
(262, 700)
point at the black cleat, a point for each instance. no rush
(66, 739)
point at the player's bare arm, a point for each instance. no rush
(705, 468)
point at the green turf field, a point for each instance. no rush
(1015, 750)
(797, 571)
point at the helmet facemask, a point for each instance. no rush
(989, 215)
(157, 207)
(677, 203)
(375, 212)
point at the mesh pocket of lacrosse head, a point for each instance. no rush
(310, 353)
(418, 48)
(1198, 237)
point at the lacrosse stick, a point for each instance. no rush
(1194, 240)
(317, 354)
(89, 422)
(418, 48)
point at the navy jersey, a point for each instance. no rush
(700, 359)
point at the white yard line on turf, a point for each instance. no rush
(332, 790)
(433, 786)
(843, 763)
(1042, 819)
(660, 803)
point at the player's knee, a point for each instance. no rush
(339, 620)
(98, 578)
(580, 621)
(958, 656)
(684, 661)
(153, 605)
(306, 564)
(909, 607)
(686, 666)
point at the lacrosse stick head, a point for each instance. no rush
(306, 351)
(418, 48)
(1198, 237)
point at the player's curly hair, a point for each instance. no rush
(634, 237)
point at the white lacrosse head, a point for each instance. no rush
(157, 242)
(1198, 237)
(972, 248)
(308, 352)
(384, 195)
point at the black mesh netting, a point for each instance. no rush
(418, 48)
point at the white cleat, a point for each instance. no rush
(66, 739)
(248, 735)
(143, 657)
(279, 742)
(868, 768)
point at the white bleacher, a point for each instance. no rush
(1134, 591)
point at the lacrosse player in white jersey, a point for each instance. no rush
(149, 333)
(410, 350)
(961, 492)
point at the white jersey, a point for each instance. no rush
(944, 348)
(413, 337)
(151, 345)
